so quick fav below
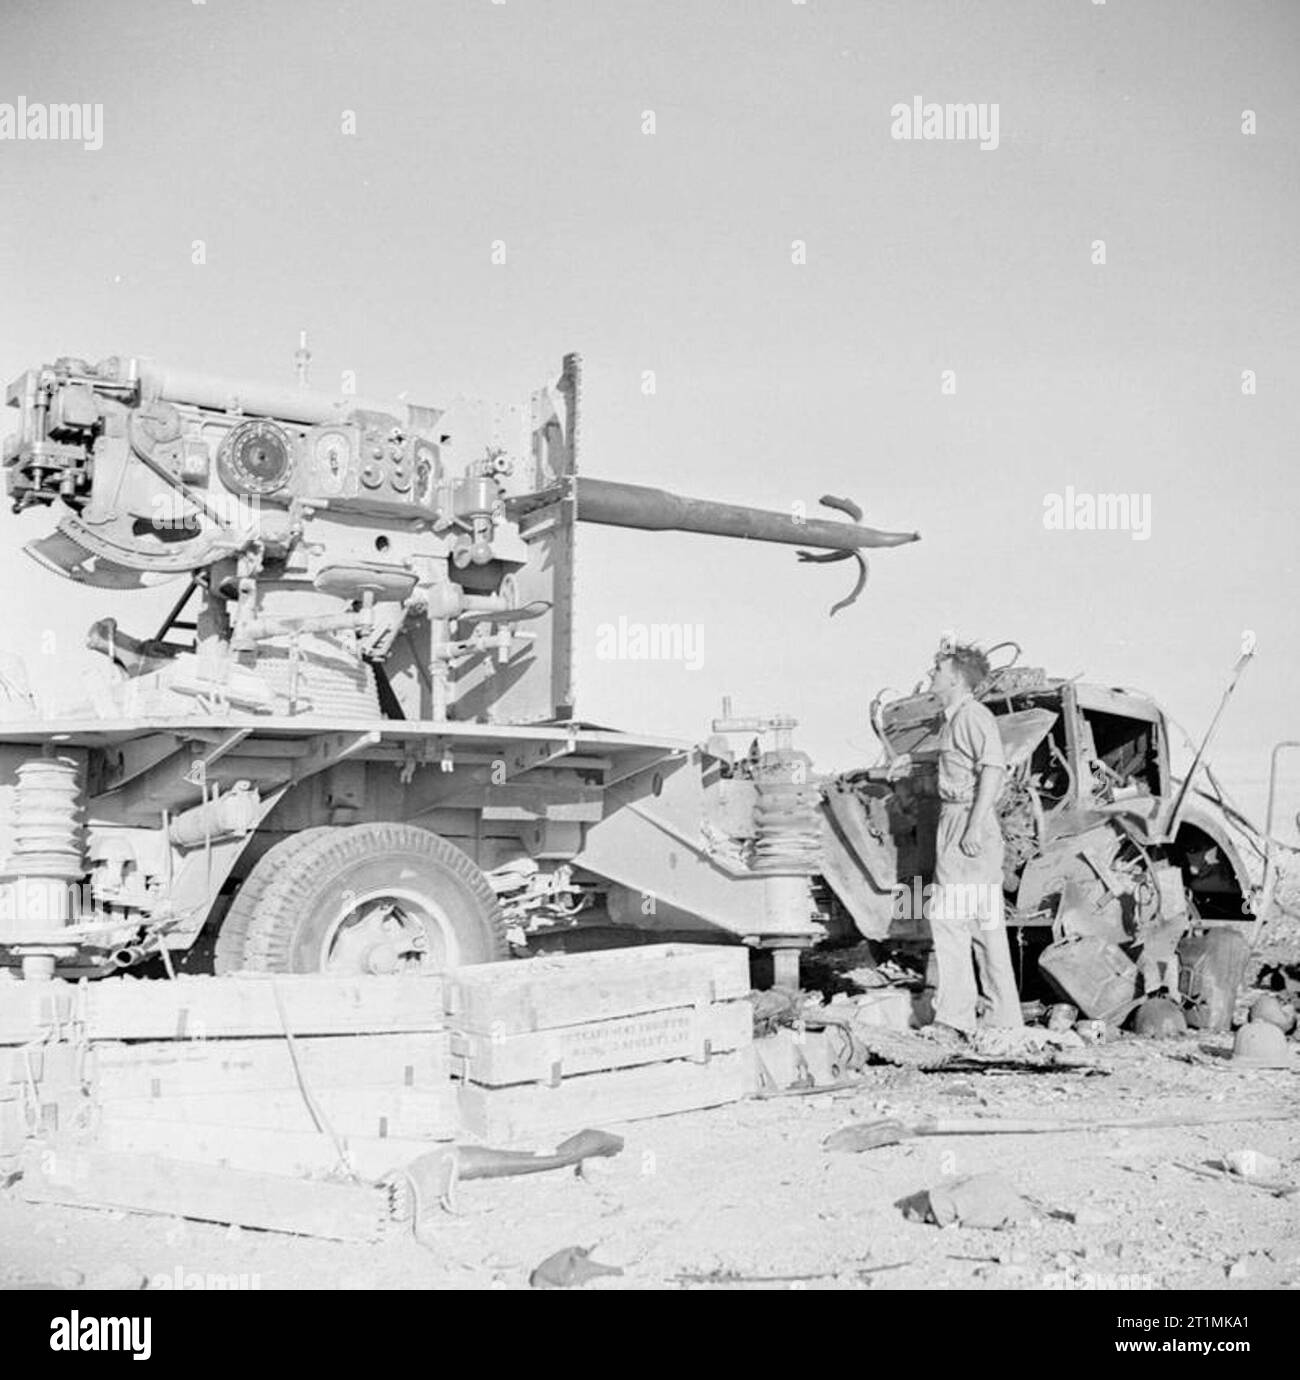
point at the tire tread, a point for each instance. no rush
(232, 938)
(269, 936)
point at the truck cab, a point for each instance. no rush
(1084, 810)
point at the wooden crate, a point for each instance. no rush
(543, 993)
(199, 1069)
(540, 1113)
(48, 1064)
(271, 1151)
(13, 1128)
(426, 1114)
(236, 1006)
(41, 1096)
(58, 1111)
(155, 1185)
(682, 1032)
(166, 1069)
(34, 1011)
(549, 1046)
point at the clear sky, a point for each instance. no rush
(671, 251)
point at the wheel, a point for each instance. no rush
(228, 955)
(372, 898)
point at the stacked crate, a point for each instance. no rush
(41, 1070)
(554, 1045)
(40, 1095)
(292, 1074)
(287, 1074)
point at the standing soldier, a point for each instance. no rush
(966, 911)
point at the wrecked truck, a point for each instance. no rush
(1100, 841)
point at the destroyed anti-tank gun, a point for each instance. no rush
(1102, 842)
(340, 556)
(355, 730)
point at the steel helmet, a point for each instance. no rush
(1275, 1010)
(1159, 1019)
(1262, 1045)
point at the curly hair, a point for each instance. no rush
(969, 662)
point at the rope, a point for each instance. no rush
(313, 1107)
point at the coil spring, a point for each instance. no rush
(46, 819)
(787, 822)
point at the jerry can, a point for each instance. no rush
(1096, 976)
(1212, 967)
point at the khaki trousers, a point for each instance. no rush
(968, 926)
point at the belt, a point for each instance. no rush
(965, 800)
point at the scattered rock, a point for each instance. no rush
(1252, 1164)
(1239, 1269)
(1088, 1216)
(980, 1200)
(568, 1267)
(69, 1278)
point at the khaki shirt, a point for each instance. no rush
(968, 741)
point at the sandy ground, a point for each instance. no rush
(748, 1190)
(745, 1196)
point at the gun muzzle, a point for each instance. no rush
(612, 504)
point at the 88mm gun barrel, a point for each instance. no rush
(612, 504)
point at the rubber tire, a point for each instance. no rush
(232, 938)
(302, 898)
